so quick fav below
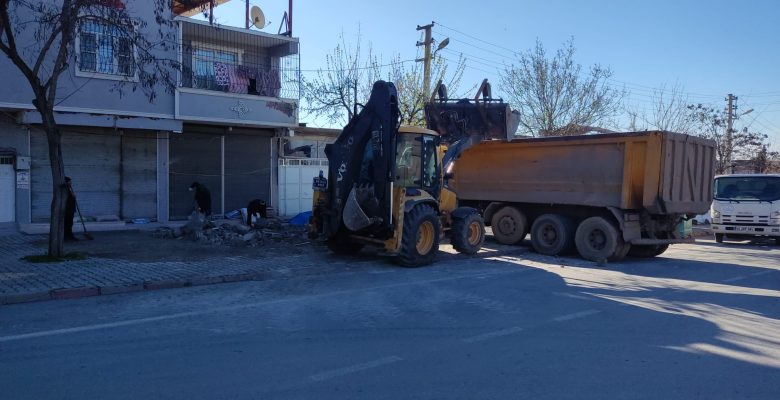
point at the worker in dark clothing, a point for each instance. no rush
(70, 212)
(256, 208)
(202, 198)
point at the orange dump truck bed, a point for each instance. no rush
(660, 172)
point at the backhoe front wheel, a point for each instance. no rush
(341, 244)
(468, 232)
(420, 238)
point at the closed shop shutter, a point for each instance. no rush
(139, 174)
(247, 168)
(91, 159)
(194, 157)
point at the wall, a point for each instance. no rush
(76, 92)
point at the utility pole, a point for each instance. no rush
(730, 108)
(426, 60)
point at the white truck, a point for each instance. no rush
(746, 205)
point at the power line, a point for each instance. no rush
(477, 39)
(473, 45)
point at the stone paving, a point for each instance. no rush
(22, 281)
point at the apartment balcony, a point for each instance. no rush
(236, 76)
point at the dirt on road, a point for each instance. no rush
(143, 246)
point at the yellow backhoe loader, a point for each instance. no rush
(386, 184)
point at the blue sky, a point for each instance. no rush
(710, 47)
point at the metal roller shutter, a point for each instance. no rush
(139, 174)
(91, 159)
(247, 169)
(194, 157)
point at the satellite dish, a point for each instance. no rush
(258, 18)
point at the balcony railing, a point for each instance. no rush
(240, 61)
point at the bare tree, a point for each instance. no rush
(38, 37)
(745, 143)
(554, 96)
(409, 82)
(670, 110)
(335, 91)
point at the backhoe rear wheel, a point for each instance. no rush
(509, 225)
(420, 238)
(468, 233)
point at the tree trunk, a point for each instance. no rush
(59, 188)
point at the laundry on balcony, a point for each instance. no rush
(247, 80)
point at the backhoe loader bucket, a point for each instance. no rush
(355, 219)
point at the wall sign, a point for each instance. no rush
(22, 179)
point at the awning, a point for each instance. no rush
(189, 8)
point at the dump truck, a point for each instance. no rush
(605, 195)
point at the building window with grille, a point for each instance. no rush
(104, 51)
(206, 61)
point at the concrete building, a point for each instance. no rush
(236, 96)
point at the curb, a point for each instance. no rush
(91, 291)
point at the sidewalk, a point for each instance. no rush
(110, 271)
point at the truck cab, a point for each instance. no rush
(746, 205)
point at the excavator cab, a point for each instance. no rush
(385, 188)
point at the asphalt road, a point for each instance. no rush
(701, 322)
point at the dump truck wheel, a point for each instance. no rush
(597, 239)
(647, 251)
(621, 252)
(340, 244)
(468, 233)
(509, 225)
(420, 239)
(552, 234)
(719, 237)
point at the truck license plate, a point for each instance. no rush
(743, 229)
(320, 183)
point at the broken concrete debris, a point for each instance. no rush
(204, 231)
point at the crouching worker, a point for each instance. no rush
(256, 208)
(202, 198)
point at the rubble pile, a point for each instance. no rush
(264, 231)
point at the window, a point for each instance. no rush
(758, 188)
(104, 49)
(429, 162)
(407, 162)
(204, 75)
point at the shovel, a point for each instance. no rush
(86, 234)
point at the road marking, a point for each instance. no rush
(86, 328)
(573, 296)
(743, 277)
(576, 315)
(325, 375)
(109, 325)
(494, 334)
